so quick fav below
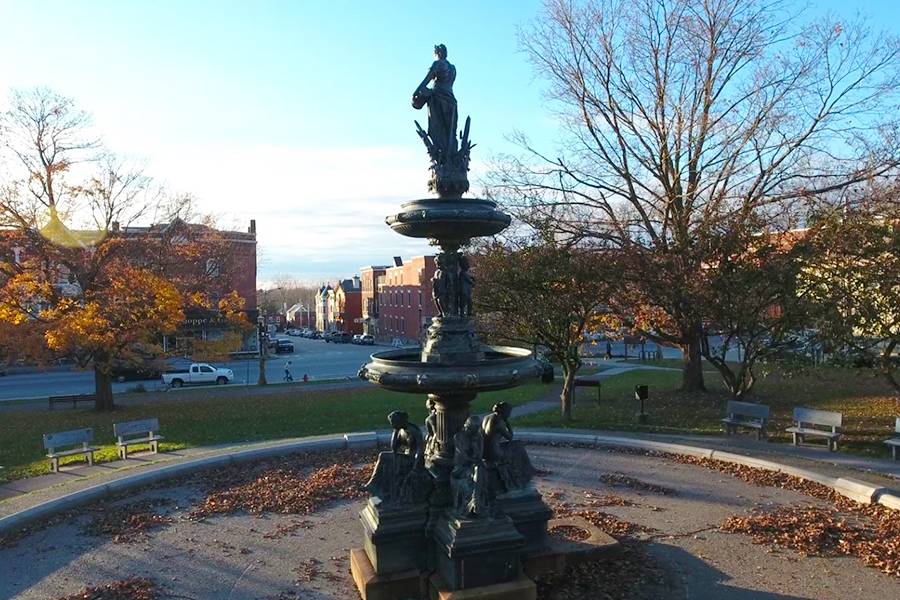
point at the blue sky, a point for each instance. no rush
(295, 113)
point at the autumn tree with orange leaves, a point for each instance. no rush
(72, 274)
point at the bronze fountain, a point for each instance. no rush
(453, 508)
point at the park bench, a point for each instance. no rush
(894, 442)
(74, 399)
(134, 433)
(78, 441)
(585, 382)
(816, 423)
(748, 415)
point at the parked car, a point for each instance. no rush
(198, 373)
(355, 338)
(366, 340)
(341, 337)
(315, 335)
(126, 372)
(284, 346)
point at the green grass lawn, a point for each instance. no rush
(227, 418)
(867, 405)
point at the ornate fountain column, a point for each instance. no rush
(482, 513)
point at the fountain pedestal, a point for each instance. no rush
(477, 552)
(394, 536)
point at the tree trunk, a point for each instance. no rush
(103, 388)
(692, 373)
(262, 370)
(567, 397)
(887, 368)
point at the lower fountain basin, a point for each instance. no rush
(403, 371)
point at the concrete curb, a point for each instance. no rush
(22, 518)
(854, 489)
(849, 487)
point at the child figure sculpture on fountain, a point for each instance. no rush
(399, 476)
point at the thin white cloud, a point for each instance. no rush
(317, 210)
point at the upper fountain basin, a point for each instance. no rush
(449, 219)
(403, 371)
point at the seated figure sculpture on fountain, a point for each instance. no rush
(468, 480)
(506, 459)
(399, 476)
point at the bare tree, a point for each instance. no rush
(684, 117)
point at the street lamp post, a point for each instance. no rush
(263, 335)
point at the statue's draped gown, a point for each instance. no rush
(442, 106)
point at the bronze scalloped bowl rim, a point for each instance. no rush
(509, 356)
(485, 219)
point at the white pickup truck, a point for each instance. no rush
(198, 373)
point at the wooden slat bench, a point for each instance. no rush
(134, 433)
(816, 423)
(894, 442)
(746, 414)
(78, 441)
(74, 399)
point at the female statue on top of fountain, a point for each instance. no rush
(441, 103)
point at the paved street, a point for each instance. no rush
(315, 358)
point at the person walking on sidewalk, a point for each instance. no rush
(287, 371)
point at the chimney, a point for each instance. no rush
(357, 284)
(115, 226)
(252, 226)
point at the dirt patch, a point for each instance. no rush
(129, 523)
(814, 531)
(572, 533)
(288, 490)
(135, 588)
(630, 574)
(622, 480)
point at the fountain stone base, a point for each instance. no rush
(529, 513)
(394, 536)
(477, 552)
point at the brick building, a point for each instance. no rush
(404, 303)
(370, 278)
(348, 306)
(227, 262)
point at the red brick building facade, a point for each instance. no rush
(404, 303)
(227, 262)
(348, 306)
(370, 278)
